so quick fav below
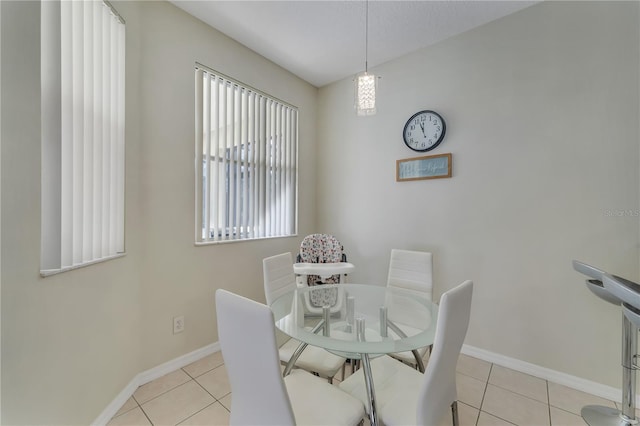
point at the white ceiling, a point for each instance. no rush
(324, 41)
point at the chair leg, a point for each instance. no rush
(454, 413)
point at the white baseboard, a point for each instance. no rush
(174, 364)
(149, 375)
(593, 388)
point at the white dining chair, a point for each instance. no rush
(279, 279)
(412, 271)
(404, 395)
(260, 395)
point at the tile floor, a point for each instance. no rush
(489, 395)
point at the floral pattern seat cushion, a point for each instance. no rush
(321, 248)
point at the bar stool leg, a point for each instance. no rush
(596, 415)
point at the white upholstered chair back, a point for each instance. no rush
(411, 270)
(278, 276)
(438, 390)
(259, 393)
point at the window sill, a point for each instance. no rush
(48, 272)
(239, 240)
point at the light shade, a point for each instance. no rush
(365, 93)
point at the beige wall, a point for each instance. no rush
(180, 278)
(73, 341)
(542, 115)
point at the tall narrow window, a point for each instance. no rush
(83, 53)
(246, 156)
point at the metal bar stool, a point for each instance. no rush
(625, 293)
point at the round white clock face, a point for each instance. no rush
(424, 131)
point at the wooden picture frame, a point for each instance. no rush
(427, 167)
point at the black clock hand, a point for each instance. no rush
(422, 127)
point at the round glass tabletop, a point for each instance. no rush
(389, 319)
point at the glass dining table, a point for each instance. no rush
(358, 322)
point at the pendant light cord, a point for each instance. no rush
(366, 37)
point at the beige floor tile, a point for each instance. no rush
(564, 418)
(216, 382)
(129, 405)
(486, 419)
(213, 415)
(204, 365)
(178, 404)
(515, 408)
(474, 367)
(133, 417)
(467, 415)
(515, 381)
(161, 385)
(470, 390)
(573, 400)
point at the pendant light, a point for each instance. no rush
(366, 84)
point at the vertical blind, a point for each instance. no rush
(246, 161)
(83, 87)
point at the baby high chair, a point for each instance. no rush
(323, 248)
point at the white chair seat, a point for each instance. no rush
(312, 358)
(392, 379)
(316, 402)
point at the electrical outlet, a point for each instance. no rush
(178, 324)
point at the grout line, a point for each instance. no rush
(193, 414)
(146, 415)
(212, 396)
(484, 393)
(486, 385)
(187, 373)
(140, 407)
(201, 374)
(164, 393)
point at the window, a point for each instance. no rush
(246, 161)
(83, 53)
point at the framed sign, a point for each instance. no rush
(418, 168)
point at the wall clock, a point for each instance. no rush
(424, 131)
